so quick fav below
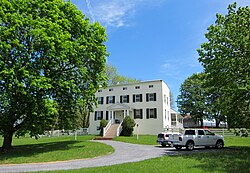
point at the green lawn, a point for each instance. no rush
(234, 158)
(27, 150)
(142, 139)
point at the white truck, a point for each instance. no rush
(198, 137)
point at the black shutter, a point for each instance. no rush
(127, 98)
(134, 98)
(147, 113)
(154, 96)
(101, 100)
(107, 100)
(95, 115)
(141, 113)
(134, 114)
(155, 111)
(140, 97)
(101, 115)
(120, 99)
(147, 95)
(113, 99)
(107, 115)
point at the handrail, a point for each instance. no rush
(105, 129)
(119, 129)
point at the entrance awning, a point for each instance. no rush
(118, 107)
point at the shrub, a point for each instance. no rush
(128, 125)
(103, 124)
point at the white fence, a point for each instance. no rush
(52, 133)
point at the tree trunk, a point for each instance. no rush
(217, 123)
(7, 142)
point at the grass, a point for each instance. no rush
(234, 158)
(29, 150)
(142, 139)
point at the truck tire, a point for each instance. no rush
(219, 144)
(190, 145)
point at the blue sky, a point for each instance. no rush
(155, 39)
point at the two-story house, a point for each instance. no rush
(148, 103)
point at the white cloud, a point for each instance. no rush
(114, 13)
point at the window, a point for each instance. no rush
(152, 113)
(165, 98)
(100, 100)
(111, 89)
(201, 132)
(137, 113)
(137, 87)
(151, 86)
(124, 88)
(190, 132)
(98, 115)
(207, 132)
(99, 91)
(124, 99)
(137, 98)
(150, 97)
(110, 99)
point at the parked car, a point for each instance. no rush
(166, 138)
(198, 137)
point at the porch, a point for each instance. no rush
(116, 113)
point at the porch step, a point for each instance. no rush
(112, 131)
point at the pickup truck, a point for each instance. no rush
(164, 138)
(198, 137)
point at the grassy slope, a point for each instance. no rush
(27, 150)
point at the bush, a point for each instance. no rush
(103, 124)
(128, 125)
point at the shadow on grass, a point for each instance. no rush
(232, 159)
(36, 149)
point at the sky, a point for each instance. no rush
(155, 39)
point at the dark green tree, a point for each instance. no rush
(226, 60)
(128, 125)
(51, 58)
(192, 98)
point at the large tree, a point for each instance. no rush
(192, 97)
(226, 60)
(115, 78)
(51, 59)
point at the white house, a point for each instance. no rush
(148, 103)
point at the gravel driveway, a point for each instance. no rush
(124, 153)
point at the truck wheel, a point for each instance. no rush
(219, 144)
(190, 145)
(178, 147)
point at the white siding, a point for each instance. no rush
(146, 126)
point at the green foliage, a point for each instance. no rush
(51, 59)
(192, 98)
(115, 78)
(128, 125)
(225, 58)
(103, 124)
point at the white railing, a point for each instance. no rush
(105, 129)
(119, 129)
